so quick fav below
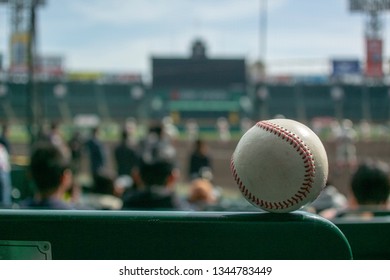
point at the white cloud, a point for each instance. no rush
(121, 35)
(122, 12)
(225, 10)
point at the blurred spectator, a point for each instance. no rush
(52, 177)
(159, 175)
(126, 157)
(4, 138)
(199, 159)
(370, 185)
(201, 194)
(105, 194)
(170, 129)
(345, 137)
(132, 128)
(56, 138)
(192, 129)
(104, 183)
(75, 145)
(96, 153)
(370, 190)
(329, 202)
(156, 143)
(5, 178)
(223, 128)
(245, 125)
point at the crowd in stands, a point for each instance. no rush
(146, 174)
(368, 196)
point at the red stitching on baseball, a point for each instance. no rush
(307, 157)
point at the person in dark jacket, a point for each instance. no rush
(52, 178)
(199, 160)
(159, 175)
(96, 153)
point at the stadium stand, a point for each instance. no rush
(18, 100)
(82, 98)
(320, 102)
(115, 101)
(174, 235)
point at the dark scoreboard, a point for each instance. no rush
(198, 72)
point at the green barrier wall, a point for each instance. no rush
(176, 235)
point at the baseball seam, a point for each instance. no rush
(308, 161)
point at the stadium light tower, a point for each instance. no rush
(373, 33)
(23, 55)
(263, 31)
(22, 23)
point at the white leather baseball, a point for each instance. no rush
(280, 165)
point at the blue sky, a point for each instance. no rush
(122, 35)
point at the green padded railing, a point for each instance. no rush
(369, 239)
(176, 235)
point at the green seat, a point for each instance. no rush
(369, 239)
(176, 235)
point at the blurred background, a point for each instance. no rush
(208, 69)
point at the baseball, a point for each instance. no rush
(280, 165)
